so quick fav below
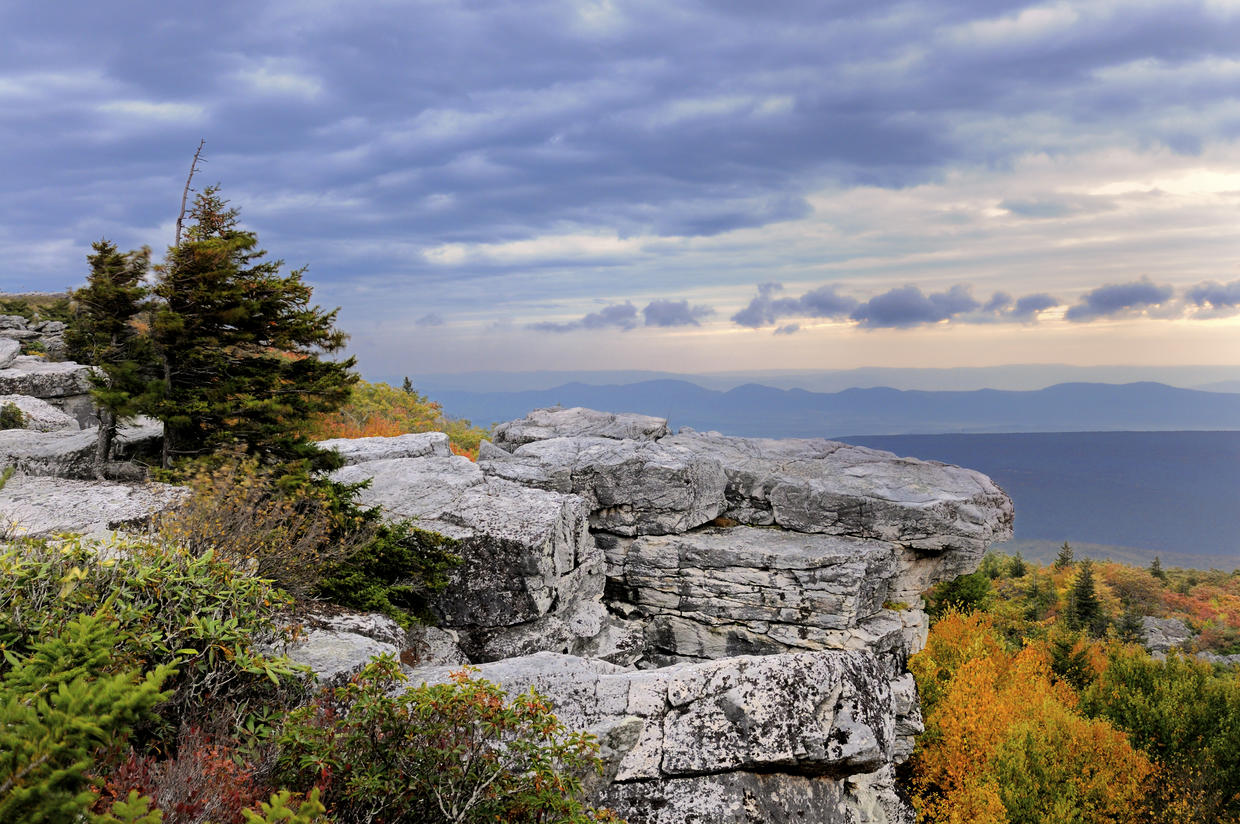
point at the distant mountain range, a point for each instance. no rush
(764, 411)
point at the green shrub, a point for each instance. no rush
(963, 594)
(458, 752)
(1186, 716)
(12, 417)
(205, 615)
(396, 573)
(68, 696)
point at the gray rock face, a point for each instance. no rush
(39, 378)
(544, 424)
(530, 564)
(815, 485)
(361, 450)
(633, 487)
(747, 722)
(64, 384)
(41, 416)
(719, 592)
(1165, 634)
(9, 350)
(70, 454)
(337, 654)
(46, 506)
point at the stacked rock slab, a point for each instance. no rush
(762, 588)
(532, 577)
(63, 384)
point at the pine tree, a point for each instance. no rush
(1157, 571)
(1064, 558)
(1017, 569)
(1084, 609)
(241, 346)
(102, 332)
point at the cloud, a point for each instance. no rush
(907, 306)
(765, 309)
(430, 319)
(1028, 307)
(789, 329)
(674, 313)
(1214, 299)
(622, 316)
(1137, 297)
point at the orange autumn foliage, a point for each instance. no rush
(988, 713)
(380, 410)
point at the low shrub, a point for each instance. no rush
(396, 573)
(460, 752)
(256, 517)
(202, 614)
(12, 417)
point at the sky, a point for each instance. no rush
(676, 186)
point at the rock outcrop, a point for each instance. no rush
(40, 415)
(63, 384)
(745, 658)
(71, 453)
(35, 506)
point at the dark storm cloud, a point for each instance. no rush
(367, 127)
(1215, 299)
(674, 313)
(1120, 299)
(765, 308)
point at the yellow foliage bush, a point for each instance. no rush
(239, 511)
(1004, 742)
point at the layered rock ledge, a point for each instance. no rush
(732, 616)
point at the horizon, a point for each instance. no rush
(618, 185)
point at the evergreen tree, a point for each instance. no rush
(1017, 569)
(1084, 609)
(1064, 558)
(1157, 571)
(241, 346)
(102, 332)
(1129, 626)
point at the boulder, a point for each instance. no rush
(1165, 634)
(71, 454)
(39, 378)
(531, 574)
(40, 415)
(633, 487)
(361, 450)
(9, 350)
(770, 721)
(46, 506)
(815, 485)
(336, 654)
(556, 422)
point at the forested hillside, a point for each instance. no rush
(1042, 704)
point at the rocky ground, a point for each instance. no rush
(731, 616)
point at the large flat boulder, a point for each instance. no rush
(417, 445)
(71, 453)
(816, 485)
(37, 506)
(557, 422)
(40, 378)
(530, 567)
(633, 487)
(741, 720)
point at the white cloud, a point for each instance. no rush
(152, 110)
